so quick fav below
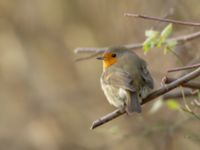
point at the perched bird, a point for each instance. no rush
(125, 79)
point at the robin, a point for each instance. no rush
(125, 79)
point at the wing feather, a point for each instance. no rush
(119, 79)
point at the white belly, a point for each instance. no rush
(115, 96)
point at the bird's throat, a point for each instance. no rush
(108, 62)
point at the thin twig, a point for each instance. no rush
(178, 94)
(179, 39)
(101, 50)
(176, 55)
(196, 102)
(162, 20)
(90, 49)
(87, 57)
(187, 107)
(150, 97)
(184, 68)
(188, 110)
(187, 37)
(192, 85)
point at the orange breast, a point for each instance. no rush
(107, 62)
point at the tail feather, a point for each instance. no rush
(133, 104)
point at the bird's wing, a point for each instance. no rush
(119, 79)
(146, 76)
(123, 80)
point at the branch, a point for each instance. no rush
(101, 50)
(162, 19)
(192, 85)
(87, 57)
(184, 68)
(179, 39)
(178, 95)
(186, 38)
(151, 96)
(90, 49)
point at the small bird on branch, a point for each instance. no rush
(125, 79)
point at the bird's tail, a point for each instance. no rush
(133, 104)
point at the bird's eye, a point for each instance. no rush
(114, 55)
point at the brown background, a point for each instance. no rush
(48, 101)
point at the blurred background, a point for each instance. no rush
(48, 101)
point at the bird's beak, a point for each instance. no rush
(100, 58)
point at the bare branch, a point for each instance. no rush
(192, 85)
(162, 19)
(178, 94)
(179, 39)
(101, 50)
(90, 49)
(186, 38)
(150, 97)
(87, 57)
(184, 68)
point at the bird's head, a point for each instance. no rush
(112, 55)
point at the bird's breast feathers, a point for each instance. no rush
(115, 96)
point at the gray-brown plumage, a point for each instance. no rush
(125, 79)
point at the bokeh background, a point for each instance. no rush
(48, 101)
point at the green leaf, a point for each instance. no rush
(171, 43)
(160, 42)
(166, 31)
(164, 35)
(150, 33)
(172, 104)
(150, 42)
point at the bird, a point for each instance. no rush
(125, 80)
